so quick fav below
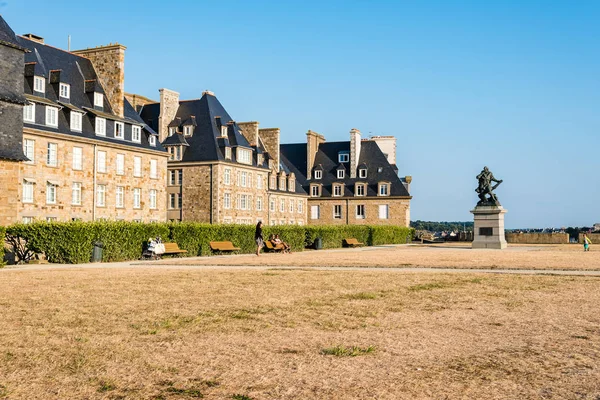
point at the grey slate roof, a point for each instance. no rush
(327, 160)
(7, 36)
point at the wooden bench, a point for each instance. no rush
(353, 242)
(172, 248)
(223, 246)
(269, 246)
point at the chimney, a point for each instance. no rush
(250, 131)
(33, 37)
(354, 151)
(406, 181)
(169, 104)
(270, 139)
(109, 63)
(387, 144)
(313, 140)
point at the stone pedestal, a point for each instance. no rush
(489, 227)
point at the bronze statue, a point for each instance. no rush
(485, 187)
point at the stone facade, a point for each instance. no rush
(109, 63)
(138, 101)
(398, 211)
(270, 139)
(9, 189)
(88, 175)
(313, 140)
(537, 238)
(169, 103)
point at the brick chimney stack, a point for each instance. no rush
(109, 63)
(313, 140)
(355, 142)
(387, 144)
(169, 104)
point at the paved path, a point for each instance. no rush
(162, 265)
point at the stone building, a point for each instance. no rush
(222, 171)
(349, 183)
(88, 154)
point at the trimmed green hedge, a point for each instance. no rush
(2, 234)
(333, 235)
(388, 234)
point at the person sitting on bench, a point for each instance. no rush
(277, 240)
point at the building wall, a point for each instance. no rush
(289, 216)
(9, 188)
(65, 176)
(537, 238)
(398, 211)
(196, 193)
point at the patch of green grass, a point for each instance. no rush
(428, 286)
(241, 397)
(362, 296)
(352, 351)
(106, 385)
(195, 393)
(4, 391)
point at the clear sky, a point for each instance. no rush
(513, 85)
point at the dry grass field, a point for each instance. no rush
(148, 333)
(459, 255)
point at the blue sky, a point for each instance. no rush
(513, 85)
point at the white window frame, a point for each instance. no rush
(259, 203)
(259, 181)
(137, 166)
(52, 156)
(384, 189)
(98, 100)
(51, 195)
(187, 130)
(360, 189)
(39, 84)
(300, 207)
(362, 173)
(337, 215)
(152, 195)
(101, 161)
(227, 200)
(272, 205)
(151, 140)
(120, 197)
(228, 153)
(76, 193)
(100, 126)
(244, 156)
(28, 189)
(64, 90)
(29, 150)
(101, 195)
(341, 174)
(282, 205)
(282, 183)
(77, 164)
(227, 176)
(75, 121)
(315, 191)
(136, 135)
(137, 198)
(337, 190)
(52, 116)
(120, 167)
(315, 212)
(291, 205)
(318, 174)
(119, 130)
(29, 113)
(243, 178)
(384, 211)
(172, 201)
(344, 157)
(359, 208)
(153, 169)
(224, 131)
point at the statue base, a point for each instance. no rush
(488, 230)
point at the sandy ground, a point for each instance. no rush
(553, 257)
(148, 333)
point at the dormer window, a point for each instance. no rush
(362, 173)
(338, 190)
(343, 157)
(224, 131)
(282, 183)
(98, 99)
(119, 130)
(39, 84)
(52, 116)
(152, 140)
(29, 112)
(340, 173)
(136, 135)
(75, 121)
(315, 190)
(228, 153)
(100, 126)
(172, 131)
(65, 90)
(359, 189)
(384, 189)
(318, 174)
(292, 184)
(188, 130)
(273, 182)
(244, 156)
(259, 159)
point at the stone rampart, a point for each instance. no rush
(537, 238)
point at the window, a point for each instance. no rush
(244, 202)
(29, 150)
(152, 199)
(227, 201)
(178, 153)
(51, 192)
(179, 200)
(98, 99)
(39, 84)
(151, 140)
(337, 190)
(227, 176)
(314, 212)
(282, 205)
(101, 159)
(224, 131)
(29, 113)
(65, 90)
(188, 130)
(120, 197)
(119, 130)
(259, 159)
(137, 166)
(28, 191)
(360, 211)
(101, 195)
(272, 205)
(259, 203)
(273, 182)
(315, 190)
(136, 135)
(384, 211)
(51, 116)
(291, 206)
(50, 219)
(77, 158)
(28, 220)
(292, 185)
(340, 173)
(137, 197)
(52, 158)
(384, 189)
(172, 200)
(76, 194)
(228, 153)
(153, 169)
(360, 189)
(244, 156)
(318, 174)
(172, 177)
(75, 118)
(179, 176)
(380, 169)
(282, 183)
(259, 181)
(120, 164)
(100, 126)
(244, 178)
(172, 131)
(343, 157)
(337, 211)
(362, 173)
(300, 206)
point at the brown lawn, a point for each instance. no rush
(568, 257)
(141, 333)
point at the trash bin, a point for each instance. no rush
(318, 243)
(97, 252)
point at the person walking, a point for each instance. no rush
(258, 237)
(586, 243)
